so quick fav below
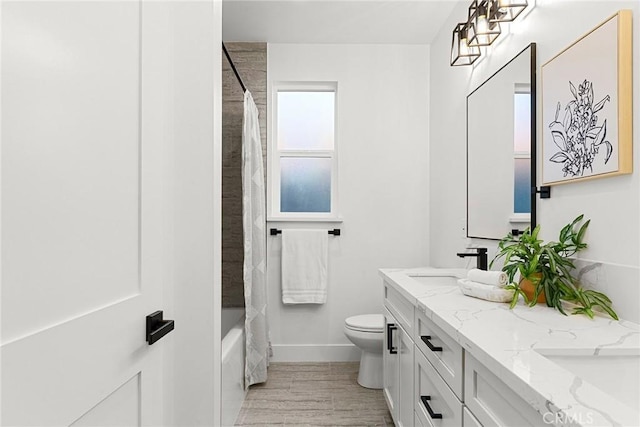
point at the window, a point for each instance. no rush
(522, 153)
(303, 152)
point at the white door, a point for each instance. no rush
(81, 230)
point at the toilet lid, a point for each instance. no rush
(366, 323)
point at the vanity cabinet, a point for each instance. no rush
(444, 353)
(435, 403)
(492, 403)
(429, 379)
(398, 359)
(398, 371)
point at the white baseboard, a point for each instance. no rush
(315, 353)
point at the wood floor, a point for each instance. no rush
(313, 394)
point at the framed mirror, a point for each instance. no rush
(501, 150)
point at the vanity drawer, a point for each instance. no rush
(445, 354)
(432, 394)
(492, 402)
(400, 307)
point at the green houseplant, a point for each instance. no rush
(548, 267)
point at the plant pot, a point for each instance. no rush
(529, 289)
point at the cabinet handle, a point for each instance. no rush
(432, 347)
(390, 328)
(425, 402)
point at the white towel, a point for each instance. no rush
(485, 292)
(493, 278)
(304, 266)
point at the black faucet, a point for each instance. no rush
(481, 261)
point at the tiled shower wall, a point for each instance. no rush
(250, 60)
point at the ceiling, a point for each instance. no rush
(345, 21)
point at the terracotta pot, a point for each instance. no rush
(529, 289)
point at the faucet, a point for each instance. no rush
(481, 257)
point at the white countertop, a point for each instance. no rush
(511, 343)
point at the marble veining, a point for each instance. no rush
(514, 345)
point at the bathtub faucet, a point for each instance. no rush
(481, 257)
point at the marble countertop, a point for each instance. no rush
(514, 344)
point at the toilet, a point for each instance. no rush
(367, 333)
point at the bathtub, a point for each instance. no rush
(233, 391)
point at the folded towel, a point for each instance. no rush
(304, 266)
(493, 278)
(485, 292)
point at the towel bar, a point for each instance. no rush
(275, 231)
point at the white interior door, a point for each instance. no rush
(81, 227)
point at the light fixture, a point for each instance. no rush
(482, 32)
(482, 27)
(506, 10)
(461, 52)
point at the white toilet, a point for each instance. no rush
(367, 333)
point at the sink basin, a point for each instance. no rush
(444, 280)
(616, 375)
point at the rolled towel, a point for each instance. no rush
(493, 278)
(485, 292)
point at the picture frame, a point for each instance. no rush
(587, 105)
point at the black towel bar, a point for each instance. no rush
(275, 231)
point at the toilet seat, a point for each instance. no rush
(365, 323)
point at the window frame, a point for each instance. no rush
(274, 154)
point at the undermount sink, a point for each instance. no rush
(615, 375)
(442, 280)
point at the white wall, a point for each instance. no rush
(382, 133)
(613, 204)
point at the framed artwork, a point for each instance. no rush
(587, 105)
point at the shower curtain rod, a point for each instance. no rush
(233, 67)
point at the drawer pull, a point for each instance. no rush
(432, 347)
(425, 402)
(390, 328)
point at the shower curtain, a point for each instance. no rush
(255, 247)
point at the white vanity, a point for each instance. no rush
(452, 360)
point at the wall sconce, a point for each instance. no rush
(461, 52)
(506, 10)
(482, 27)
(482, 32)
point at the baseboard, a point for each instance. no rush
(315, 353)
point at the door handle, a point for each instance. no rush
(157, 327)
(390, 328)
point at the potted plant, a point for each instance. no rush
(548, 266)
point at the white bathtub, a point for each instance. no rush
(233, 392)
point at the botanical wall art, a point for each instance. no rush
(587, 105)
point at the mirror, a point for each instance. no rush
(501, 141)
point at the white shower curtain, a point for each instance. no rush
(255, 247)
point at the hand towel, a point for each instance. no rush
(485, 292)
(304, 266)
(493, 278)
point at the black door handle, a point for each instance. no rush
(425, 339)
(157, 327)
(425, 402)
(390, 328)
